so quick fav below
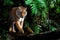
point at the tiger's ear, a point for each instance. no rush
(19, 7)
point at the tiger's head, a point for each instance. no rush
(21, 11)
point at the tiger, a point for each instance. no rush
(16, 17)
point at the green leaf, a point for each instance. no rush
(58, 10)
(28, 2)
(52, 28)
(8, 2)
(36, 30)
(52, 4)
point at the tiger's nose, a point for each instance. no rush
(23, 14)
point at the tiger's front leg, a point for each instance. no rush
(20, 26)
(12, 28)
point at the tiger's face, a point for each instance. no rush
(22, 11)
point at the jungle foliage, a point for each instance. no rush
(42, 11)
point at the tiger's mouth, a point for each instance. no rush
(22, 16)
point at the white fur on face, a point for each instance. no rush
(21, 19)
